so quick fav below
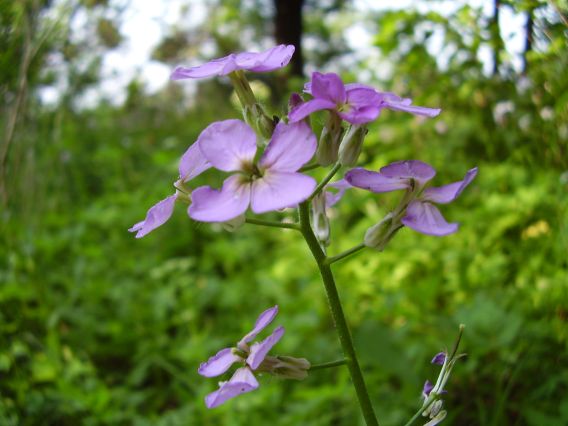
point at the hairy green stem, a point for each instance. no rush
(272, 224)
(337, 314)
(325, 181)
(330, 364)
(345, 254)
(309, 167)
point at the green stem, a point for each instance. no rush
(330, 364)
(345, 254)
(272, 224)
(420, 411)
(325, 181)
(338, 315)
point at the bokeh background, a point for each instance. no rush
(97, 328)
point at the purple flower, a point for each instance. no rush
(251, 357)
(420, 214)
(269, 60)
(192, 164)
(439, 358)
(270, 184)
(355, 103)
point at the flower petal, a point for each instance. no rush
(399, 104)
(228, 144)
(192, 163)
(218, 363)
(291, 146)
(329, 87)
(447, 193)
(278, 190)
(210, 205)
(427, 219)
(219, 66)
(269, 60)
(243, 381)
(259, 350)
(156, 216)
(364, 105)
(332, 198)
(262, 321)
(303, 110)
(375, 181)
(409, 169)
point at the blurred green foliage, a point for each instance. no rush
(98, 328)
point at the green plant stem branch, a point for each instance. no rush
(337, 314)
(272, 224)
(330, 364)
(325, 181)
(345, 254)
(420, 411)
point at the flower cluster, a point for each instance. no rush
(253, 358)
(267, 159)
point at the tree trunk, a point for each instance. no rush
(288, 30)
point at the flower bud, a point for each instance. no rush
(234, 224)
(286, 367)
(294, 101)
(320, 221)
(377, 236)
(329, 141)
(351, 145)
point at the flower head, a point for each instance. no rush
(268, 60)
(192, 164)
(420, 213)
(271, 183)
(355, 103)
(250, 357)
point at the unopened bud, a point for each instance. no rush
(351, 145)
(286, 367)
(234, 224)
(294, 101)
(320, 221)
(329, 141)
(377, 236)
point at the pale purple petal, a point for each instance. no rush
(303, 110)
(218, 363)
(405, 105)
(329, 87)
(363, 105)
(220, 66)
(156, 216)
(447, 193)
(269, 60)
(439, 358)
(262, 321)
(243, 381)
(375, 181)
(291, 146)
(427, 219)
(210, 205)
(228, 145)
(259, 350)
(192, 163)
(278, 190)
(332, 198)
(409, 169)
